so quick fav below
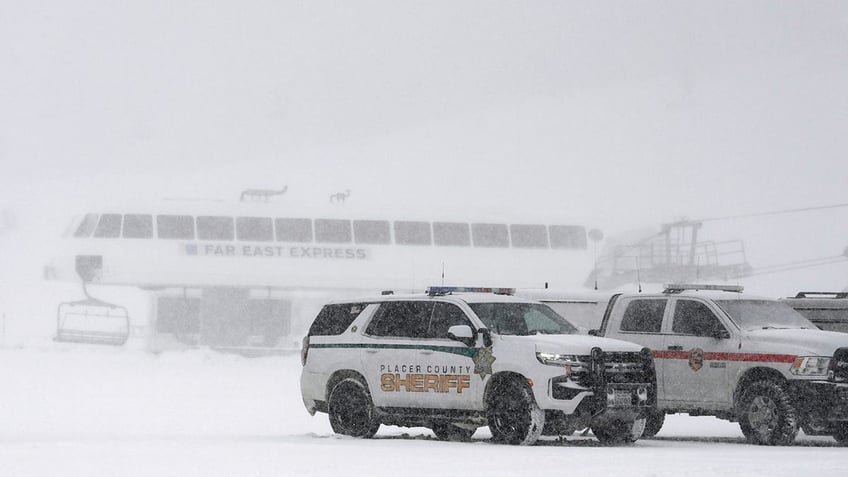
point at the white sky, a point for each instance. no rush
(629, 113)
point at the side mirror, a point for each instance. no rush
(487, 336)
(721, 334)
(461, 333)
(594, 332)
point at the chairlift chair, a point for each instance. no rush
(92, 321)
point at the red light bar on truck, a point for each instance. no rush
(677, 288)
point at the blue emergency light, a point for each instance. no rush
(441, 290)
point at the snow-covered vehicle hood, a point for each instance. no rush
(800, 341)
(573, 344)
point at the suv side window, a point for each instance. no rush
(446, 315)
(644, 316)
(407, 319)
(694, 318)
(334, 319)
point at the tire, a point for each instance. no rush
(766, 415)
(446, 431)
(513, 415)
(619, 432)
(840, 433)
(654, 421)
(350, 409)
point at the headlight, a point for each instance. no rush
(556, 359)
(810, 366)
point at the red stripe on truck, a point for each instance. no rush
(750, 357)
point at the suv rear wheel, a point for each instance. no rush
(766, 415)
(513, 415)
(351, 410)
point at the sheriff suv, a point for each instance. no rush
(455, 361)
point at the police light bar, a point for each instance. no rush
(677, 288)
(448, 290)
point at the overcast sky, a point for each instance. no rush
(633, 112)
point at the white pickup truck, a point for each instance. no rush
(748, 359)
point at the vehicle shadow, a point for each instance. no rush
(822, 441)
(587, 440)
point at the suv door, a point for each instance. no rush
(410, 361)
(697, 344)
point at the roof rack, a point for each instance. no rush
(433, 291)
(822, 295)
(677, 288)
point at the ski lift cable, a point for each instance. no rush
(796, 266)
(776, 212)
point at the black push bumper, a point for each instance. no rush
(820, 401)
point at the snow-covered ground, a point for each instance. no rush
(84, 410)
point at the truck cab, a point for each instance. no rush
(743, 358)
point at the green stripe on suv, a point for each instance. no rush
(468, 352)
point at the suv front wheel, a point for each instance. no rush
(513, 415)
(351, 410)
(766, 415)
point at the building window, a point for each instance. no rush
(332, 231)
(568, 236)
(413, 233)
(293, 230)
(529, 236)
(371, 231)
(175, 227)
(215, 228)
(109, 226)
(451, 233)
(257, 229)
(86, 227)
(490, 235)
(138, 226)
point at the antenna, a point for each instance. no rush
(443, 273)
(638, 275)
(596, 236)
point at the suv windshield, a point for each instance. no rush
(522, 319)
(763, 314)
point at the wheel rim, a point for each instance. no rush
(763, 416)
(512, 421)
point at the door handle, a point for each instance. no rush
(426, 351)
(675, 348)
(372, 351)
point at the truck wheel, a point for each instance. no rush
(513, 415)
(446, 431)
(654, 421)
(840, 433)
(351, 410)
(619, 432)
(766, 415)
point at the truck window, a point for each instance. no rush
(644, 316)
(694, 318)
